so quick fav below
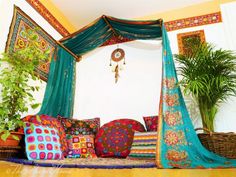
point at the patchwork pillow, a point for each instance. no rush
(81, 146)
(42, 142)
(151, 123)
(143, 146)
(75, 127)
(52, 123)
(94, 123)
(114, 139)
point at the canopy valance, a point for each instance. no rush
(178, 145)
(102, 29)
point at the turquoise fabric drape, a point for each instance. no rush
(89, 39)
(178, 143)
(59, 93)
(95, 35)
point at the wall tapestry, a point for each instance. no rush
(184, 37)
(16, 40)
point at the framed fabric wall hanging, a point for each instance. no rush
(16, 41)
(183, 39)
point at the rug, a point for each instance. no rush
(96, 163)
(16, 40)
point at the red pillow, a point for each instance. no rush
(151, 123)
(52, 123)
(114, 139)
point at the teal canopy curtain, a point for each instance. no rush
(99, 32)
(59, 93)
(89, 39)
(178, 144)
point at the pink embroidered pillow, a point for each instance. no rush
(42, 143)
(81, 146)
(151, 123)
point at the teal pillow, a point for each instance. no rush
(42, 143)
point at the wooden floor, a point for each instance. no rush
(15, 170)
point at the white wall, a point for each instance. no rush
(226, 117)
(137, 91)
(6, 13)
(229, 16)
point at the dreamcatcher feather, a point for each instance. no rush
(116, 57)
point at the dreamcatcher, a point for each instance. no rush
(116, 61)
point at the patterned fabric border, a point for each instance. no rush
(17, 41)
(193, 21)
(115, 40)
(44, 12)
(170, 26)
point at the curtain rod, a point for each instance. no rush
(78, 58)
(109, 25)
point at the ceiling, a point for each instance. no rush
(82, 12)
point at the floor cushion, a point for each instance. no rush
(52, 123)
(143, 146)
(114, 139)
(42, 142)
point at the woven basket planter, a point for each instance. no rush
(223, 144)
(10, 151)
(11, 147)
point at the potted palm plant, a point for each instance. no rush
(17, 69)
(209, 76)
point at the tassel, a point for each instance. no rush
(110, 63)
(116, 73)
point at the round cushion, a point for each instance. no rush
(114, 139)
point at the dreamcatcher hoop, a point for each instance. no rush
(116, 56)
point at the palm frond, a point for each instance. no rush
(209, 75)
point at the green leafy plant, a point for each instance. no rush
(17, 69)
(209, 75)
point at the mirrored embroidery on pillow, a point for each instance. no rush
(81, 146)
(42, 143)
(114, 138)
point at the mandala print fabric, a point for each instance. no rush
(178, 145)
